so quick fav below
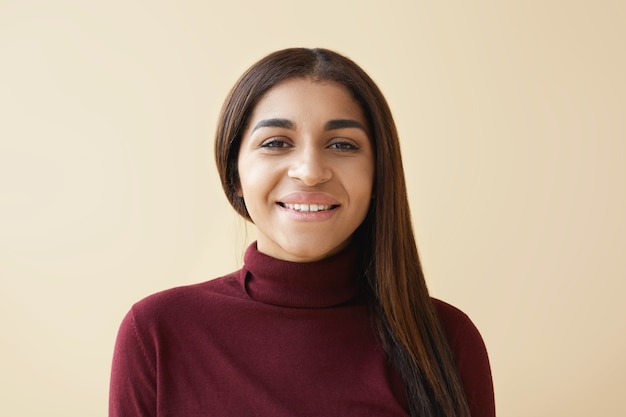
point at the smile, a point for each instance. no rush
(306, 208)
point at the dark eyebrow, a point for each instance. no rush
(343, 124)
(284, 123)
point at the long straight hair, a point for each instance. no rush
(406, 319)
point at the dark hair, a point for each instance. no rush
(407, 322)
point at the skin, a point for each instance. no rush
(306, 143)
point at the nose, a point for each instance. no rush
(310, 167)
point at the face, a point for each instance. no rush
(306, 169)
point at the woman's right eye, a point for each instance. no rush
(275, 143)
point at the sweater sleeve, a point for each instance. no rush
(133, 387)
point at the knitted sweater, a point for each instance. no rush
(275, 339)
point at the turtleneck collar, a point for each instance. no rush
(325, 283)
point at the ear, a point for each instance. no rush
(238, 190)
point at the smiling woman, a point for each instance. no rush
(330, 314)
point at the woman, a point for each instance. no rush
(330, 314)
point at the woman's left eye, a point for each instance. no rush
(344, 146)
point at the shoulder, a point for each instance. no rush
(470, 356)
(177, 312)
(185, 301)
(448, 311)
(155, 329)
(462, 334)
(452, 319)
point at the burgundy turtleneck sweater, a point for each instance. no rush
(274, 339)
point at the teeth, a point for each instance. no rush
(307, 207)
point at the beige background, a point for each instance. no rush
(512, 124)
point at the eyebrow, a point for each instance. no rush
(330, 125)
(344, 124)
(284, 123)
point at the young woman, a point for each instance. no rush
(330, 314)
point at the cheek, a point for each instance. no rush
(247, 186)
(367, 180)
(247, 178)
(255, 185)
(362, 196)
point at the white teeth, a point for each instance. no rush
(307, 207)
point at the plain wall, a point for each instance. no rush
(512, 122)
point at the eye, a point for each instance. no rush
(344, 145)
(275, 143)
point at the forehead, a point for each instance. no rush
(304, 97)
